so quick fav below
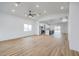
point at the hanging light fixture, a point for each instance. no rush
(31, 13)
(17, 4)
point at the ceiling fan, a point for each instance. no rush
(31, 13)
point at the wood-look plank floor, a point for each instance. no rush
(42, 45)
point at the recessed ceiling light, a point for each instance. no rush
(16, 4)
(64, 20)
(37, 6)
(37, 14)
(25, 11)
(13, 10)
(62, 7)
(45, 11)
(25, 15)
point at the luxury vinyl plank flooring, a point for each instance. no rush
(42, 45)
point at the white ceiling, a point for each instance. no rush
(50, 7)
(53, 22)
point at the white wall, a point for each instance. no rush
(13, 27)
(64, 27)
(74, 26)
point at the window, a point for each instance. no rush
(27, 27)
(57, 29)
(30, 27)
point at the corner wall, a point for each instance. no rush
(74, 26)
